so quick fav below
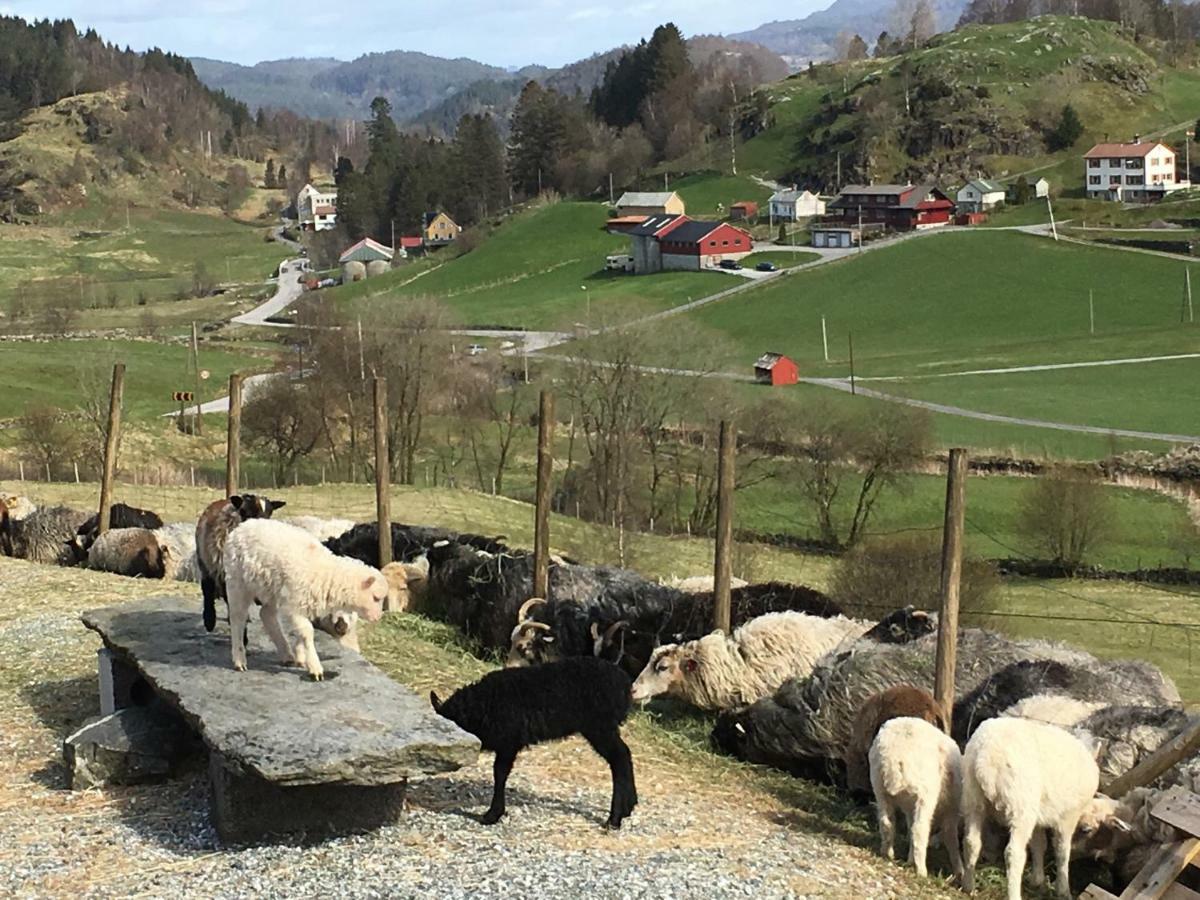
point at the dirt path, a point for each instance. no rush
(705, 826)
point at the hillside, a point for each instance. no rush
(285, 83)
(978, 100)
(814, 37)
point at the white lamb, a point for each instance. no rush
(719, 672)
(916, 767)
(296, 580)
(1030, 778)
(321, 529)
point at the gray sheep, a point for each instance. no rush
(45, 534)
(133, 552)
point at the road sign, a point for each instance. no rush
(183, 396)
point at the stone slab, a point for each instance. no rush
(358, 727)
(247, 809)
(131, 746)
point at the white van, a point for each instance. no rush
(620, 262)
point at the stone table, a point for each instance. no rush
(286, 754)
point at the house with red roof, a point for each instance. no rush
(1138, 172)
(901, 207)
(675, 242)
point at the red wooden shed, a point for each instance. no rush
(776, 369)
(743, 209)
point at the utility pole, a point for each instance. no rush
(1053, 227)
(362, 363)
(611, 200)
(824, 339)
(196, 372)
(1187, 281)
(853, 390)
(111, 441)
(233, 439)
(1091, 314)
(839, 171)
(1187, 153)
(541, 520)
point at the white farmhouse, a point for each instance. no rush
(316, 210)
(1140, 171)
(792, 205)
(979, 196)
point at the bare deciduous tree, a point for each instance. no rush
(48, 437)
(282, 422)
(1066, 515)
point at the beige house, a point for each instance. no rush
(438, 228)
(650, 203)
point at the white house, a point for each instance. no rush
(979, 195)
(1041, 188)
(794, 204)
(1138, 171)
(316, 210)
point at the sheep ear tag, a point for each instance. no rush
(689, 665)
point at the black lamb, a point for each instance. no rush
(511, 709)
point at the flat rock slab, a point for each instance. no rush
(358, 727)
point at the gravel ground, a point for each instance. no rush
(702, 830)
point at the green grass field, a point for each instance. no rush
(533, 272)
(703, 192)
(784, 259)
(154, 257)
(48, 374)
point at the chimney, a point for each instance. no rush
(1137, 138)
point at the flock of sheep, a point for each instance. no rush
(1038, 727)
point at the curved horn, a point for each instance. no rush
(614, 628)
(541, 626)
(523, 612)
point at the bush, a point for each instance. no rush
(884, 574)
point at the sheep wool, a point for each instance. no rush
(719, 672)
(212, 530)
(901, 701)
(1031, 777)
(44, 535)
(297, 580)
(133, 552)
(917, 768)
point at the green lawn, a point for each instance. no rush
(155, 256)
(784, 259)
(543, 268)
(958, 301)
(701, 193)
(48, 374)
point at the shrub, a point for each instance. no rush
(1066, 516)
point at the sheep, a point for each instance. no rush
(700, 584)
(408, 542)
(717, 672)
(120, 515)
(511, 709)
(179, 540)
(45, 535)
(321, 529)
(133, 552)
(901, 701)
(18, 507)
(295, 578)
(1030, 778)
(916, 766)
(212, 530)
(805, 726)
(1122, 833)
(1065, 712)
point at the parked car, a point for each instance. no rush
(731, 264)
(765, 266)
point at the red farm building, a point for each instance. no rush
(743, 209)
(901, 207)
(776, 369)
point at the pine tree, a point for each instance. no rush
(857, 48)
(782, 234)
(478, 186)
(1068, 130)
(281, 178)
(1022, 191)
(536, 139)
(269, 175)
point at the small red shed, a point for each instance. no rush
(775, 369)
(743, 209)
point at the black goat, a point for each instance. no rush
(511, 709)
(120, 515)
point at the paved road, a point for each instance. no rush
(1045, 367)
(251, 385)
(841, 384)
(287, 292)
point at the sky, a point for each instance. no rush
(509, 33)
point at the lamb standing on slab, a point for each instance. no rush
(916, 767)
(296, 580)
(216, 522)
(719, 672)
(514, 708)
(1030, 778)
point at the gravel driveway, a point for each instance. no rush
(703, 829)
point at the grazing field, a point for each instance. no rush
(99, 261)
(51, 373)
(784, 259)
(543, 268)
(710, 196)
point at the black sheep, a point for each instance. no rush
(511, 709)
(120, 515)
(408, 542)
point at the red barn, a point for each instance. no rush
(743, 209)
(699, 245)
(903, 207)
(776, 369)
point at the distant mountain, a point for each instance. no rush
(326, 88)
(814, 37)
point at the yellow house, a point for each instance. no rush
(650, 203)
(439, 228)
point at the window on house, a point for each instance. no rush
(1114, 179)
(1168, 160)
(1132, 179)
(1093, 163)
(724, 243)
(1093, 179)
(1154, 160)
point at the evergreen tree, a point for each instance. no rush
(1066, 132)
(536, 138)
(342, 170)
(857, 48)
(1022, 191)
(281, 178)
(668, 57)
(883, 45)
(479, 185)
(782, 234)
(269, 175)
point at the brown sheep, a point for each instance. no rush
(903, 700)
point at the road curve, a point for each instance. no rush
(287, 292)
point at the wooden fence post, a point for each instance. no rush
(952, 552)
(383, 500)
(541, 515)
(233, 438)
(723, 563)
(196, 366)
(111, 439)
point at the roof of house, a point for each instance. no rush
(625, 221)
(746, 203)
(411, 243)
(646, 198)
(985, 187)
(692, 231)
(876, 188)
(366, 250)
(1141, 148)
(769, 360)
(791, 196)
(429, 218)
(655, 224)
(324, 210)
(909, 196)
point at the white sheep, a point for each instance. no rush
(1030, 778)
(179, 540)
(917, 767)
(1053, 709)
(297, 580)
(321, 529)
(700, 584)
(719, 672)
